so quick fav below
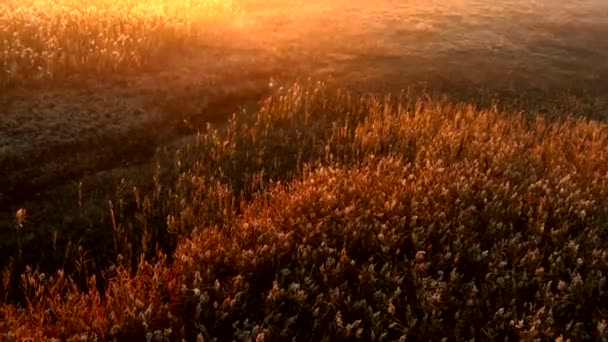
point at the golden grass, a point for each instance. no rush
(327, 216)
(42, 40)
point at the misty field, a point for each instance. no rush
(174, 171)
(48, 40)
(331, 217)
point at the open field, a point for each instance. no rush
(325, 170)
(327, 216)
(47, 40)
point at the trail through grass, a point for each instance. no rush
(328, 216)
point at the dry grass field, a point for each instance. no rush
(48, 40)
(212, 170)
(332, 217)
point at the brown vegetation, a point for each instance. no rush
(43, 40)
(321, 215)
(333, 217)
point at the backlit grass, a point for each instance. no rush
(329, 216)
(42, 40)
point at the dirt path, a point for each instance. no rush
(103, 131)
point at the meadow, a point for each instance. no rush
(317, 213)
(58, 40)
(328, 217)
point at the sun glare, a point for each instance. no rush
(46, 39)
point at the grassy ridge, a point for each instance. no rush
(43, 40)
(327, 216)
